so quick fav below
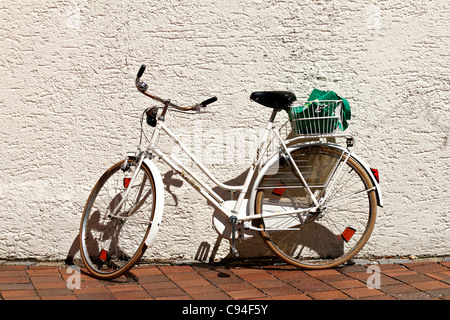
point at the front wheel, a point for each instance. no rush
(330, 235)
(112, 238)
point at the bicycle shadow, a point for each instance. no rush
(256, 248)
(205, 249)
(250, 247)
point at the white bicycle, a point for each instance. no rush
(314, 203)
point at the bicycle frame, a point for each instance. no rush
(237, 212)
(299, 166)
(205, 190)
(238, 209)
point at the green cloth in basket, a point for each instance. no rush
(316, 116)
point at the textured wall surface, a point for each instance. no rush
(69, 108)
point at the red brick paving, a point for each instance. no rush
(409, 281)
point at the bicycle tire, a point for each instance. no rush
(110, 246)
(323, 239)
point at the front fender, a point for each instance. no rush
(159, 203)
(159, 199)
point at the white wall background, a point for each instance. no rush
(69, 108)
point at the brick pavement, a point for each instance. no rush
(408, 281)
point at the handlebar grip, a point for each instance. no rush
(141, 71)
(209, 101)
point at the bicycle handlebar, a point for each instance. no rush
(209, 101)
(142, 87)
(141, 71)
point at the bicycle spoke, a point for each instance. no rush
(350, 196)
(113, 241)
(314, 239)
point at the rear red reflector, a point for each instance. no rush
(279, 191)
(375, 174)
(103, 255)
(348, 234)
(126, 182)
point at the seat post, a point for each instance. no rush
(274, 113)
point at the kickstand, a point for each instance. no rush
(233, 220)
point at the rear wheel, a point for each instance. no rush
(112, 243)
(330, 236)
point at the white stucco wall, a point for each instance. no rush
(69, 108)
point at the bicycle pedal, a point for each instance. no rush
(233, 220)
(235, 252)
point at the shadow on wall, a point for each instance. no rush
(206, 252)
(169, 182)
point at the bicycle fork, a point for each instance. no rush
(125, 167)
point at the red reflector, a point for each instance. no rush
(126, 182)
(279, 191)
(348, 234)
(375, 173)
(103, 255)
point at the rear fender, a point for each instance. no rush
(270, 162)
(369, 172)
